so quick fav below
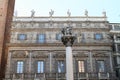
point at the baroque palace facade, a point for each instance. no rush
(35, 51)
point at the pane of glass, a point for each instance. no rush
(58, 36)
(61, 67)
(41, 38)
(20, 67)
(22, 37)
(40, 67)
(101, 66)
(98, 36)
(81, 66)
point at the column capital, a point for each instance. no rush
(68, 40)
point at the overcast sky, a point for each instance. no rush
(76, 7)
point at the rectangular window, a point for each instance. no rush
(61, 66)
(22, 36)
(20, 66)
(81, 66)
(98, 36)
(116, 27)
(40, 67)
(118, 38)
(41, 38)
(118, 48)
(58, 36)
(101, 66)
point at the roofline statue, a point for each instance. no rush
(32, 13)
(104, 13)
(68, 13)
(86, 12)
(51, 13)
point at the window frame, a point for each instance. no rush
(58, 36)
(99, 65)
(21, 39)
(40, 38)
(81, 69)
(20, 66)
(62, 68)
(40, 66)
(100, 36)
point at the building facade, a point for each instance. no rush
(35, 51)
(115, 34)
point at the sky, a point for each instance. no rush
(76, 7)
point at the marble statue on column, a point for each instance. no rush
(68, 40)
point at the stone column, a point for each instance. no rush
(69, 63)
(68, 40)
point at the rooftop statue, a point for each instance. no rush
(32, 13)
(86, 12)
(51, 13)
(68, 13)
(104, 13)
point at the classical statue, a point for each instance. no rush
(32, 13)
(86, 12)
(68, 13)
(67, 31)
(51, 13)
(104, 13)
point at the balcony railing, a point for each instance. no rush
(59, 76)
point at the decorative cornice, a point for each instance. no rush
(55, 44)
(61, 18)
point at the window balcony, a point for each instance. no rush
(60, 76)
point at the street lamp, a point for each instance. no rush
(68, 39)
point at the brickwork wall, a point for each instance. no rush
(6, 12)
